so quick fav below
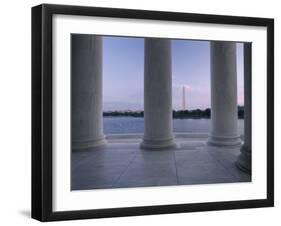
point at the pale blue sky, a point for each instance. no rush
(123, 60)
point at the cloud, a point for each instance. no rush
(187, 87)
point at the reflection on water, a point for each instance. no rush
(113, 125)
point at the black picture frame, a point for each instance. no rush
(42, 106)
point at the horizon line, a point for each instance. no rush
(172, 109)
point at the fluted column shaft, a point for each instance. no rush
(158, 127)
(86, 92)
(244, 161)
(224, 118)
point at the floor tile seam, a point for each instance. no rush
(125, 170)
(175, 161)
(222, 165)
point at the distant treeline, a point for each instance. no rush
(197, 113)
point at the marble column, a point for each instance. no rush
(224, 112)
(244, 161)
(86, 92)
(158, 127)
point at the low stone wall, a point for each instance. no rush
(140, 135)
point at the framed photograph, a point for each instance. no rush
(145, 112)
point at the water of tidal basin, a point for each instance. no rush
(117, 125)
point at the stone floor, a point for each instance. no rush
(122, 165)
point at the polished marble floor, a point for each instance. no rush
(124, 164)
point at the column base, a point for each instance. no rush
(158, 144)
(224, 141)
(244, 161)
(97, 143)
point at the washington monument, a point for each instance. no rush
(183, 99)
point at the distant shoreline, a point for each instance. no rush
(187, 114)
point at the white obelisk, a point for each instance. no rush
(183, 99)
